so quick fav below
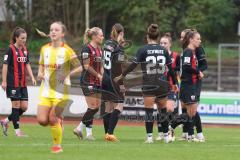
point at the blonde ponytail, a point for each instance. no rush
(89, 33)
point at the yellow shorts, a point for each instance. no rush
(53, 102)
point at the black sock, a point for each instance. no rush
(175, 111)
(106, 117)
(160, 129)
(89, 124)
(15, 118)
(149, 120)
(164, 120)
(185, 125)
(191, 126)
(179, 119)
(21, 111)
(88, 117)
(198, 123)
(171, 116)
(10, 117)
(113, 120)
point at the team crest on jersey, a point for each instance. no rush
(25, 53)
(90, 88)
(16, 53)
(193, 97)
(172, 60)
(13, 92)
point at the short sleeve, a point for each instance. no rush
(71, 52)
(200, 53)
(73, 57)
(7, 56)
(139, 56)
(85, 53)
(41, 58)
(27, 56)
(168, 58)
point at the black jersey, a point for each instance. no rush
(113, 56)
(190, 70)
(154, 60)
(16, 59)
(201, 57)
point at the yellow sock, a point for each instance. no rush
(56, 131)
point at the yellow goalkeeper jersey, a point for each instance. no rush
(56, 63)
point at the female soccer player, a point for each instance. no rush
(190, 78)
(113, 93)
(202, 65)
(55, 60)
(16, 63)
(166, 41)
(91, 57)
(155, 61)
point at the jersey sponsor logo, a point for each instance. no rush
(187, 60)
(52, 66)
(22, 59)
(5, 57)
(85, 55)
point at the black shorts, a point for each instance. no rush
(159, 90)
(17, 93)
(89, 89)
(190, 93)
(111, 92)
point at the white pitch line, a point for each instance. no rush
(107, 144)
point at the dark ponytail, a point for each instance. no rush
(188, 35)
(16, 33)
(153, 32)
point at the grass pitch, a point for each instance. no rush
(221, 144)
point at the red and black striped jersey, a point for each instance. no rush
(189, 68)
(16, 59)
(175, 64)
(95, 61)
